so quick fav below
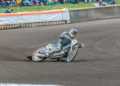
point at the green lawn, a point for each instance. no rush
(47, 7)
(117, 1)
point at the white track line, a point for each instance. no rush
(13, 84)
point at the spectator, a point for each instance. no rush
(3, 3)
(13, 2)
(107, 1)
(21, 4)
(51, 2)
(81, 1)
(28, 2)
(97, 0)
(0, 3)
(43, 2)
(112, 2)
(37, 2)
(32, 2)
(56, 1)
(8, 10)
(100, 3)
(61, 1)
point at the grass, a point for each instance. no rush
(117, 1)
(47, 7)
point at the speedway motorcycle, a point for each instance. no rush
(68, 52)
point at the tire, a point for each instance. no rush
(37, 58)
(72, 54)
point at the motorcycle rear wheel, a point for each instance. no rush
(37, 58)
(72, 54)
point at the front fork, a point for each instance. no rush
(68, 57)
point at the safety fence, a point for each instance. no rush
(34, 19)
(80, 15)
(30, 25)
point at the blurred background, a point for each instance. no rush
(40, 5)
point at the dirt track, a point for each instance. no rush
(98, 64)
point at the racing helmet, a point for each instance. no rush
(73, 32)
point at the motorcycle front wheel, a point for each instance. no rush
(36, 57)
(72, 53)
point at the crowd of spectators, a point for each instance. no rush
(7, 3)
(104, 2)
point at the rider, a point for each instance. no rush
(65, 39)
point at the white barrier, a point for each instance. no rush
(31, 17)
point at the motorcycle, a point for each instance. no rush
(68, 52)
